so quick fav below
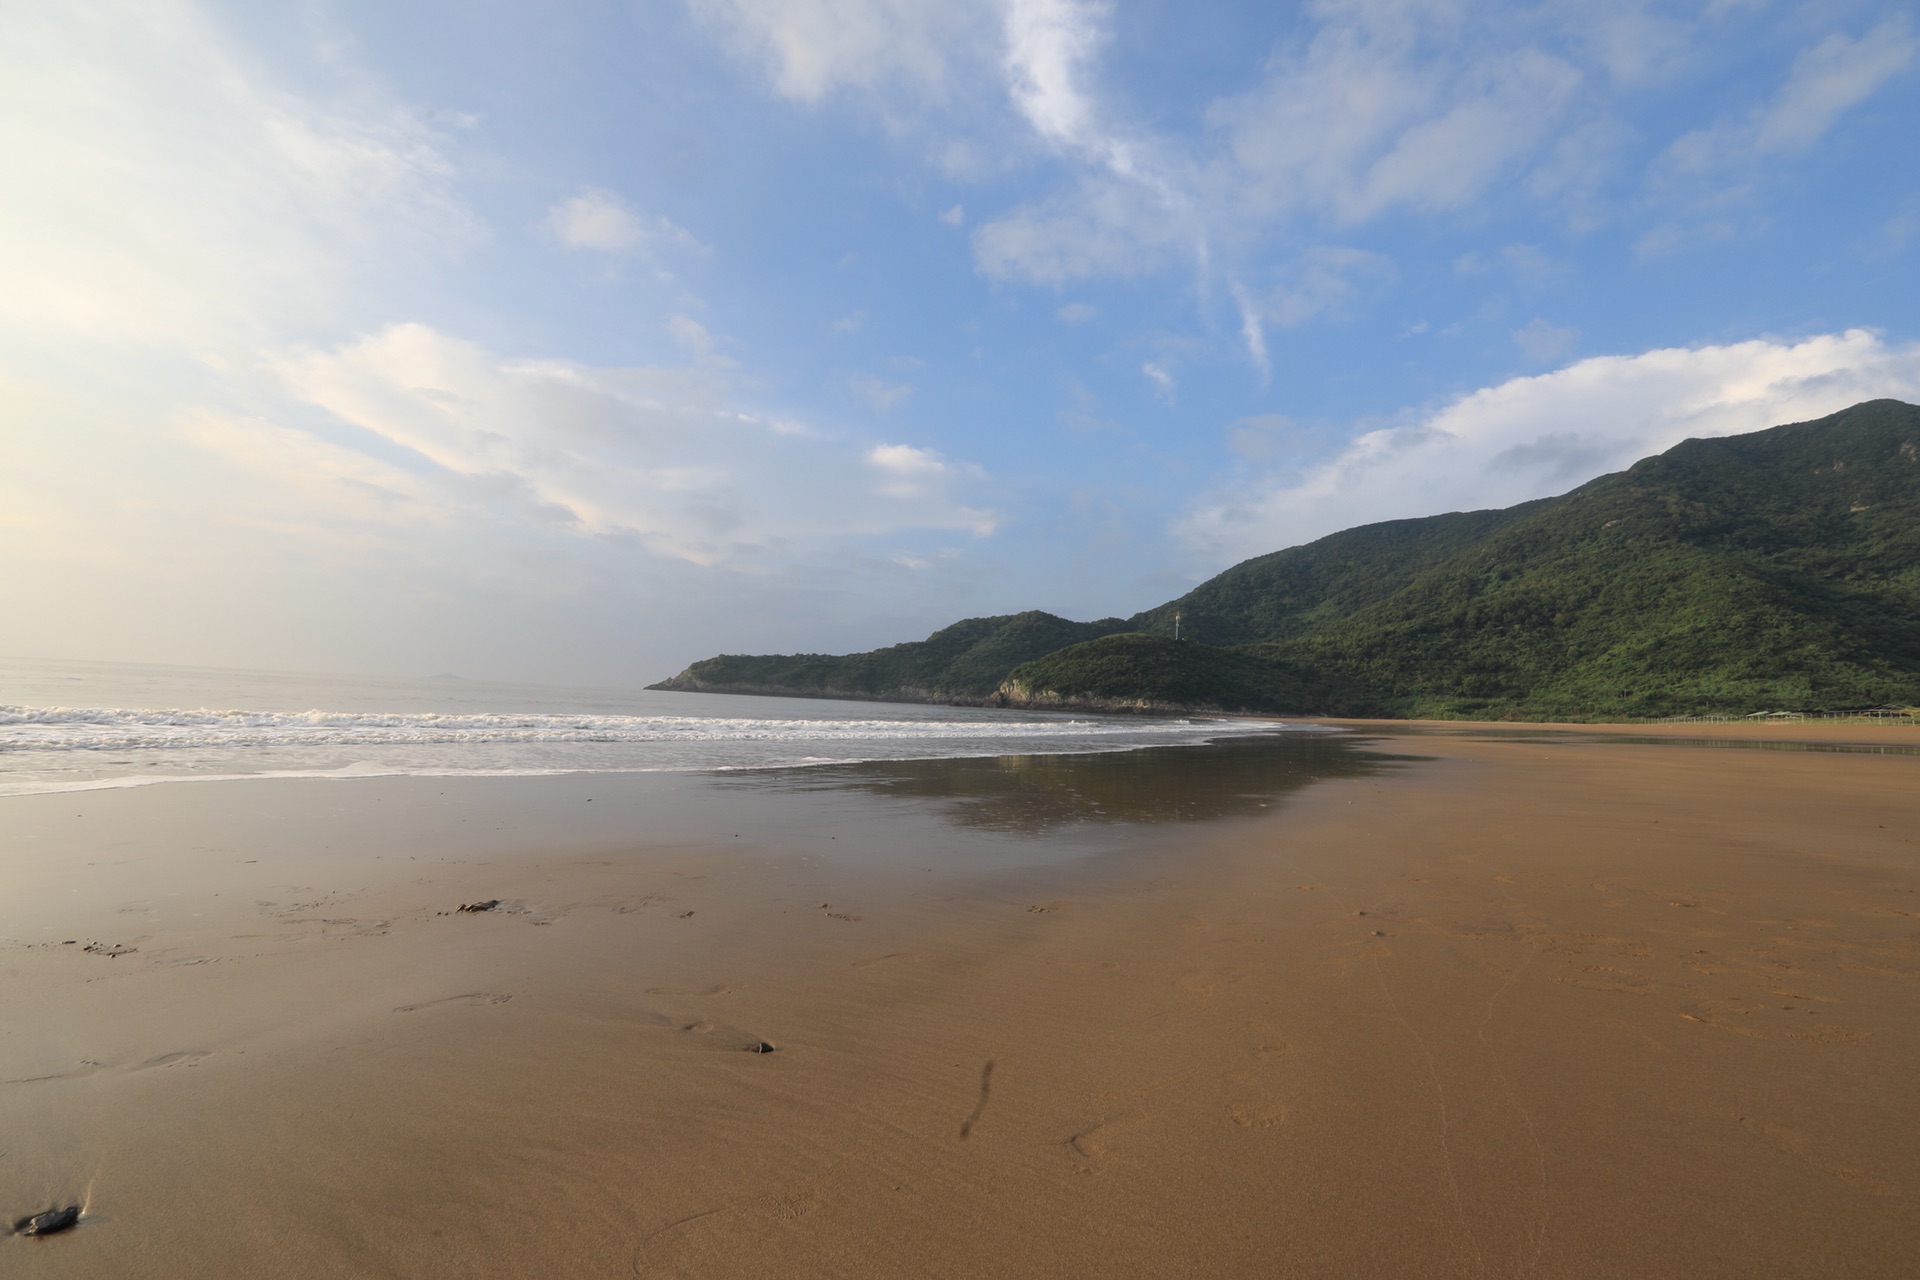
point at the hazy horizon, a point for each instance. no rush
(568, 346)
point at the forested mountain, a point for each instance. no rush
(1776, 570)
(965, 662)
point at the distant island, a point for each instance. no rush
(1778, 570)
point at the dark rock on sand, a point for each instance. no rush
(46, 1224)
(489, 905)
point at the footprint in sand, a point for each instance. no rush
(184, 1058)
(350, 927)
(1258, 1118)
(1197, 982)
(706, 1032)
(1087, 1145)
(1797, 1145)
(471, 997)
(1274, 1048)
(904, 957)
(1094, 1145)
(725, 1037)
(84, 1067)
(1254, 1107)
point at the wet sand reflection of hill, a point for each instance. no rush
(1033, 795)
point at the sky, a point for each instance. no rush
(574, 342)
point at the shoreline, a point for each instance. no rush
(1811, 731)
(1148, 708)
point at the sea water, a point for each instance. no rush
(78, 726)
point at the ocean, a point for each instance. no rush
(68, 726)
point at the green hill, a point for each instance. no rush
(1303, 589)
(1139, 672)
(965, 662)
(1770, 571)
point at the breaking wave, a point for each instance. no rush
(63, 748)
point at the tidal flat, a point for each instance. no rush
(1411, 1000)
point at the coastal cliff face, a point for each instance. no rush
(691, 681)
(1011, 693)
(1775, 571)
(1016, 694)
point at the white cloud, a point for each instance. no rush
(1051, 45)
(1824, 83)
(955, 216)
(1536, 436)
(1076, 313)
(1365, 118)
(1382, 108)
(1253, 332)
(1325, 280)
(913, 474)
(1544, 343)
(600, 221)
(596, 220)
(813, 48)
(1103, 226)
(693, 337)
(1365, 109)
(1160, 377)
(1705, 184)
(660, 455)
(1830, 79)
(879, 396)
(158, 190)
(907, 460)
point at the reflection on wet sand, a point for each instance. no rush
(1036, 795)
(1578, 736)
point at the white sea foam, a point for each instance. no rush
(120, 729)
(66, 748)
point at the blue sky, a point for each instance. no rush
(575, 342)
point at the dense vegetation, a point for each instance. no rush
(965, 662)
(1773, 571)
(1138, 672)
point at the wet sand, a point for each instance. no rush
(1551, 1004)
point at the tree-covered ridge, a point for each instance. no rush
(1777, 570)
(965, 662)
(1302, 589)
(1135, 671)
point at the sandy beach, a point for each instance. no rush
(1439, 1000)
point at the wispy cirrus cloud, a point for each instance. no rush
(881, 397)
(1704, 182)
(663, 456)
(216, 384)
(904, 54)
(1362, 112)
(159, 189)
(600, 221)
